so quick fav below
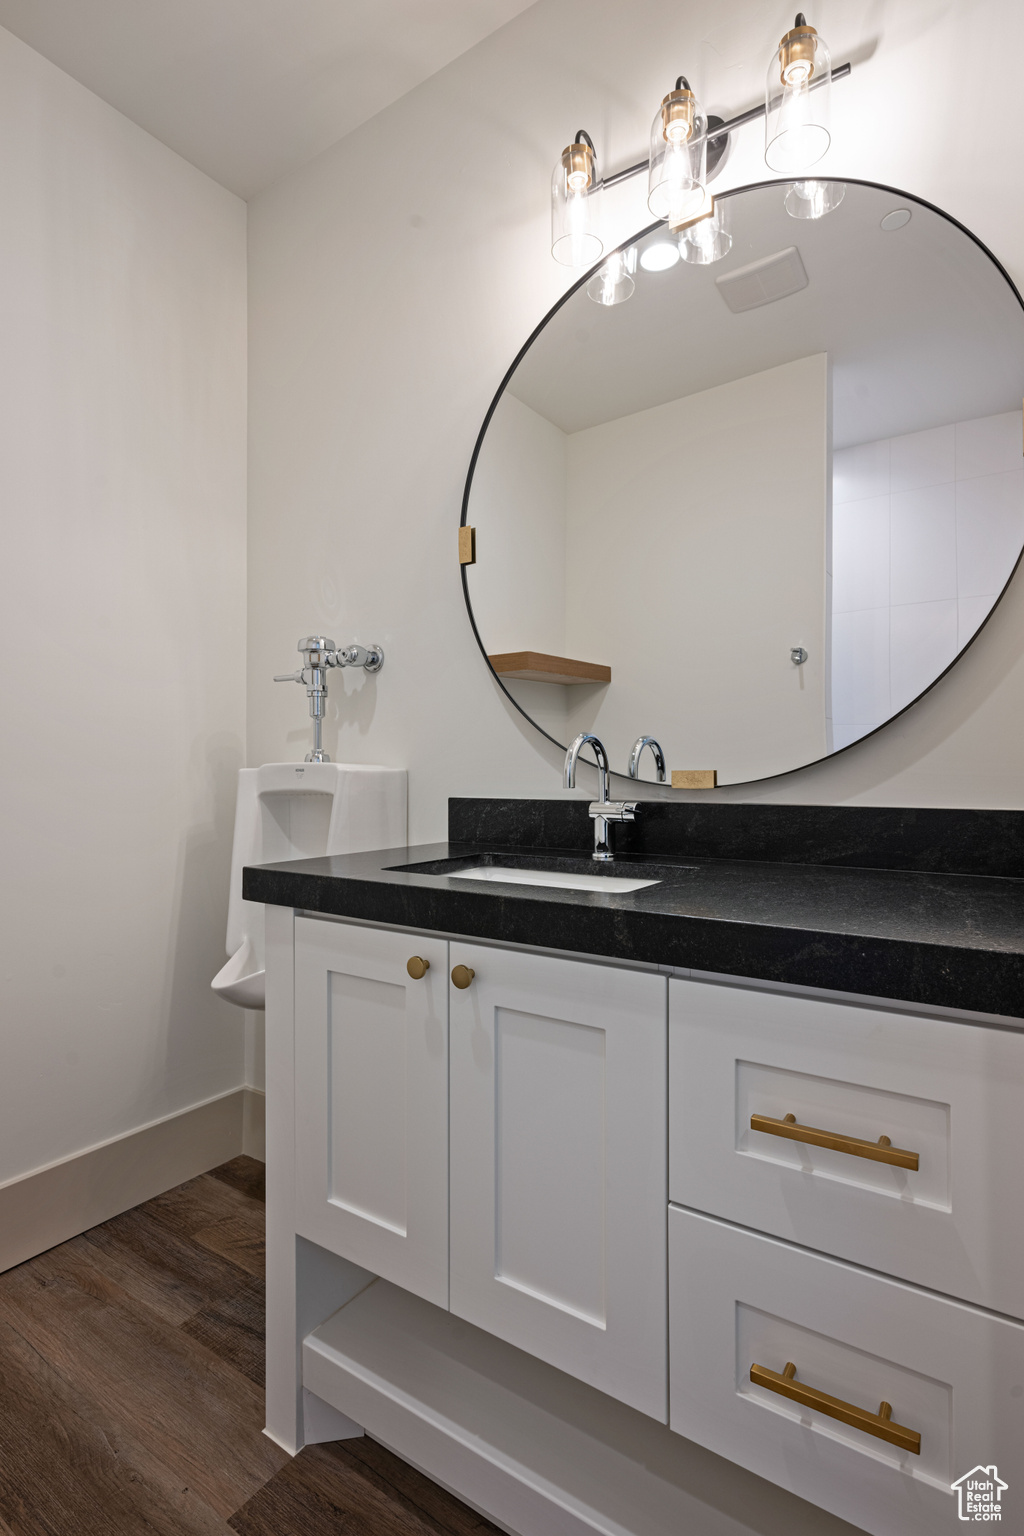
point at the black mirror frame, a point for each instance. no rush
(642, 234)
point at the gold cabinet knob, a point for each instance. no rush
(462, 976)
(417, 967)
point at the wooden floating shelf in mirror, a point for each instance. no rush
(535, 667)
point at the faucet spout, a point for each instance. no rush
(602, 810)
(601, 756)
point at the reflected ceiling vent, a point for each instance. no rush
(764, 281)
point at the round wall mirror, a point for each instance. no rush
(753, 506)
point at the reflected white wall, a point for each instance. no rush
(517, 586)
(696, 561)
(926, 530)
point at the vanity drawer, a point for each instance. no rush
(950, 1373)
(949, 1096)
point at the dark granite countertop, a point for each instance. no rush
(941, 939)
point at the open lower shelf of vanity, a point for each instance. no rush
(536, 667)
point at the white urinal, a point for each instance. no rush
(300, 811)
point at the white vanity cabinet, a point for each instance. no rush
(371, 1101)
(558, 1154)
(558, 1197)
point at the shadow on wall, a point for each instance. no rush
(351, 706)
(197, 928)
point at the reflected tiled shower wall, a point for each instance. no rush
(926, 529)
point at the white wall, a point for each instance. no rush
(708, 568)
(927, 528)
(122, 419)
(386, 307)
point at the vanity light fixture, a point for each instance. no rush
(574, 238)
(613, 283)
(797, 100)
(677, 167)
(706, 238)
(687, 147)
(813, 199)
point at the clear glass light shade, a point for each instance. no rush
(678, 163)
(707, 239)
(614, 283)
(797, 102)
(813, 199)
(574, 238)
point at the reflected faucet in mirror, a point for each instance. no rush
(659, 757)
(602, 810)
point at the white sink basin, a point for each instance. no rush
(611, 885)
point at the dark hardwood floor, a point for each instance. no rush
(131, 1391)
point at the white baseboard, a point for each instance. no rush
(50, 1205)
(254, 1124)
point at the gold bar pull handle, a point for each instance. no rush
(880, 1151)
(878, 1424)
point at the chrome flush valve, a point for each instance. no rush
(318, 655)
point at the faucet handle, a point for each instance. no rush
(288, 677)
(614, 810)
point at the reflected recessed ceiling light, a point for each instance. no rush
(659, 257)
(896, 219)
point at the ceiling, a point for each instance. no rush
(249, 89)
(919, 324)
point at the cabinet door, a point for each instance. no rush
(371, 1087)
(558, 1152)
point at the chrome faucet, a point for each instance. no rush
(602, 810)
(637, 752)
